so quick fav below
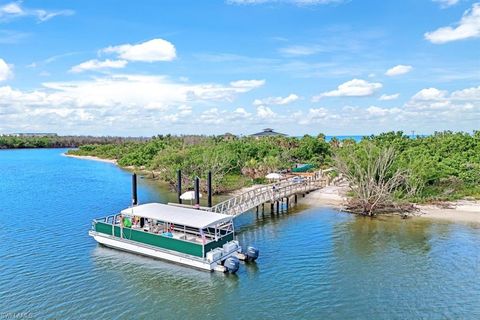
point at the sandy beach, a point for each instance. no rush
(458, 211)
(90, 158)
(331, 196)
(462, 211)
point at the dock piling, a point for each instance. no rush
(179, 186)
(209, 189)
(134, 189)
(197, 191)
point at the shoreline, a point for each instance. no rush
(462, 211)
(91, 158)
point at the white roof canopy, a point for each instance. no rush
(178, 215)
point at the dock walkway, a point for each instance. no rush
(272, 193)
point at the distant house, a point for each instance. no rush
(228, 136)
(267, 132)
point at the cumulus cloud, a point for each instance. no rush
(352, 88)
(468, 27)
(5, 70)
(149, 51)
(433, 99)
(314, 115)
(95, 64)
(15, 10)
(398, 70)
(446, 3)
(123, 101)
(430, 94)
(276, 100)
(264, 112)
(387, 97)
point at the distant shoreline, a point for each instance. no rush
(91, 158)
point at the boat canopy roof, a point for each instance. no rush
(178, 215)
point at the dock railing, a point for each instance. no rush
(267, 193)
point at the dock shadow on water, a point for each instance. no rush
(314, 262)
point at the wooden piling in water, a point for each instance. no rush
(179, 186)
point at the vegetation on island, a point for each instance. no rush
(390, 170)
(234, 162)
(384, 171)
(39, 141)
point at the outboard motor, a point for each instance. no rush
(251, 254)
(232, 264)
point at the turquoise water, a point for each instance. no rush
(315, 262)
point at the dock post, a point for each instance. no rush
(197, 191)
(179, 185)
(288, 200)
(272, 211)
(263, 207)
(278, 206)
(209, 190)
(134, 189)
(296, 198)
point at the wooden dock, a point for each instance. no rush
(273, 193)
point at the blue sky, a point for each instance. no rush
(208, 67)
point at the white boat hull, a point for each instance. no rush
(130, 246)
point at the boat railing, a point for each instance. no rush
(160, 229)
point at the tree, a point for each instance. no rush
(372, 176)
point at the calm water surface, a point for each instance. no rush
(314, 263)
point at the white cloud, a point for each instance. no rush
(247, 84)
(446, 3)
(467, 94)
(468, 27)
(15, 10)
(352, 88)
(149, 51)
(430, 94)
(144, 105)
(217, 116)
(95, 64)
(299, 50)
(381, 112)
(398, 70)
(12, 8)
(264, 112)
(432, 99)
(113, 100)
(5, 70)
(387, 97)
(276, 100)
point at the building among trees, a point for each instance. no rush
(267, 132)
